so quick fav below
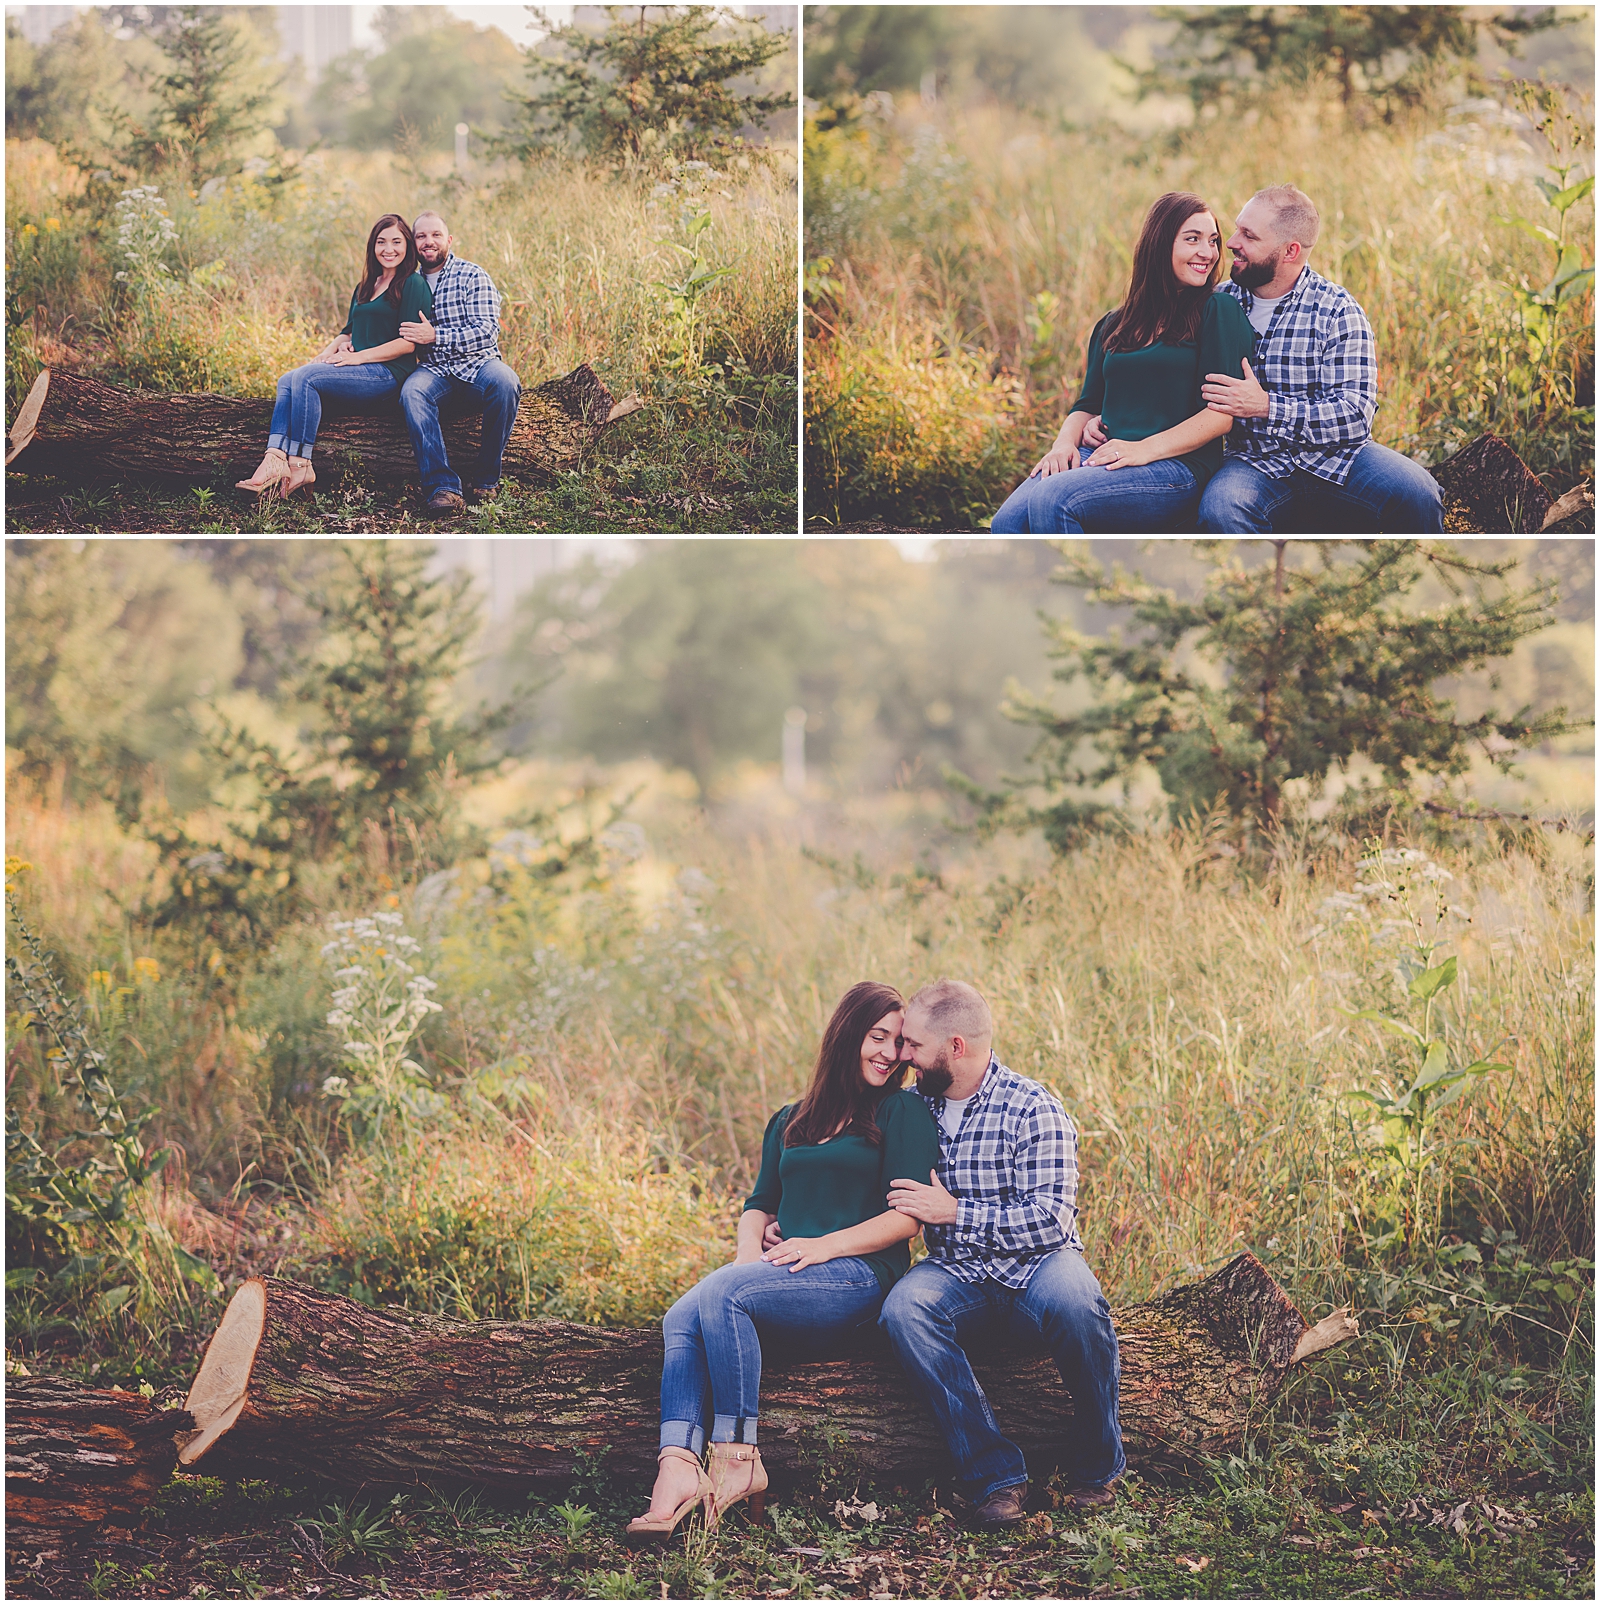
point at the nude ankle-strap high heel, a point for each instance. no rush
(274, 467)
(648, 1529)
(736, 1474)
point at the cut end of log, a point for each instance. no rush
(1332, 1330)
(27, 419)
(218, 1393)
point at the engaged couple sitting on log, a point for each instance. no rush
(414, 294)
(823, 1252)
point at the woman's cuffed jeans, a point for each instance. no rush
(711, 1371)
(1147, 499)
(297, 412)
(935, 1320)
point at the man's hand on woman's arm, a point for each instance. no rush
(1239, 398)
(421, 333)
(933, 1206)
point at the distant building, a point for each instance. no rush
(316, 35)
(39, 22)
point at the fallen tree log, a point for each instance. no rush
(74, 425)
(301, 1383)
(80, 1458)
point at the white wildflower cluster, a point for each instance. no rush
(1384, 899)
(144, 231)
(380, 1004)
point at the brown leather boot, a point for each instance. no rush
(1005, 1507)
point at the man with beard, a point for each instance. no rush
(1004, 1256)
(1300, 454)
(1304, 416)
(458, 356)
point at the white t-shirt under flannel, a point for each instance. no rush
(1013, 1167)
(1320, 371)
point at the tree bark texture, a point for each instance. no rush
(306, 1383)
(77, 426)
(79, 1458)
(1500, 492)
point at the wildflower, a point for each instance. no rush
(147, 969)
(28, 228)
(101, 978)
(53, 224)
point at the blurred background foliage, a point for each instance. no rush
(636, 924)
(975, 184)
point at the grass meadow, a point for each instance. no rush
(608, 1051)
(958, 258)
(590, 268)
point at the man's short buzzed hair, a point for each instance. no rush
(429, 213)
(954, 1009)
(1296, 217)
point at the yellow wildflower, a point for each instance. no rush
(27, 229)
(101, 978)
(52, 223)
(146, 969)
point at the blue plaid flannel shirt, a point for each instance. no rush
(466, 313)
(1317, 363)
(1013, 1166)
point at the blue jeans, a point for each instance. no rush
(936, 1320)
(298, 409)
(496, 390)
(1385, 494)
(1142, 500)
(713, 1339)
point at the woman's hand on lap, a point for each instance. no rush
(1058, 460)
(798, 1252)
(346, 359)
(1121, 454)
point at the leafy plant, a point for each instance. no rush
(356, 1532)
(381, 1006)
(577, 1519)
(1410, 1112)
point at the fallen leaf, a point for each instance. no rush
(1339, 1510)
(1194, 1566)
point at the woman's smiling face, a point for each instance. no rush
(390, 248)
(880, 1052)
(1196, 250)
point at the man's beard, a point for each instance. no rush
(1252, 275)
(934, 1082)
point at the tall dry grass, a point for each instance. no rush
(614, 1048)
(994, 235)
(263, 270)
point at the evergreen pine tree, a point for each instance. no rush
(645, 89)
(210, 100)
(1278, 673)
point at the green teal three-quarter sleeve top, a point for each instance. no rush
(817, 1188)
(1140, 393)
(375, 323)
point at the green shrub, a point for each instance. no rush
(899, 430)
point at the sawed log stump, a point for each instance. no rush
(80, 1458)
(69, 424)
(301, 1383)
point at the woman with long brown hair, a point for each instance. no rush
(364, 365)
(1147, 360)
(826, 1165)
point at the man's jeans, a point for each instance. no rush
(1385, 494)
(298, 410)
(935, 1321)
(713, 1339)
(496, 389)
(1148, 498)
